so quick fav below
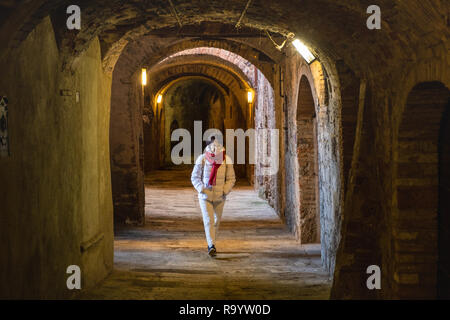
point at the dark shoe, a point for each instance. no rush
(212, 251)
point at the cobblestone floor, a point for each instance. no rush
(167, 258)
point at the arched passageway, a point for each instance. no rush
(421, 229)
(81, 133)
(211, 86)
(227, 109)
(189, 101)
(308, 164)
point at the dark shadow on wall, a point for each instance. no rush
(443, 276)
(421, 226)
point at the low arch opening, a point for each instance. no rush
(421, 224)
(307, 153)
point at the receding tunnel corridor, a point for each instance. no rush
(257, 256)
(331, 117)
(189, 101)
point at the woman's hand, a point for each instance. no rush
(206, 191)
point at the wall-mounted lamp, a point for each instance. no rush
(144, 76)
(159, 98)
(304, 51)
(250, 96)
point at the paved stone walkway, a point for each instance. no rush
(167, 259)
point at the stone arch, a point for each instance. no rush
(222, 79)
(260, 53)
(150, 51)
(242, 69)
(307, 154)
(421, 191)
(425, 71)
(329, 151)
(126, 90)
(316, 85)
(166, 82)
(231, 90)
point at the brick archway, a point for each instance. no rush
(420, 222)
(309, 218)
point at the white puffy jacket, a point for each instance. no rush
(225, 177)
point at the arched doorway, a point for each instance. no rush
(421, 236)
(308, 164)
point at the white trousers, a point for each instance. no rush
(211, 211)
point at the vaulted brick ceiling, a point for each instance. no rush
(220, 70)
(334, 28)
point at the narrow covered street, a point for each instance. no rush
(167, 259)
(335, 115)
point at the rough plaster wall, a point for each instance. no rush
(55, 189)
(291, 165)
(361, 227)
(350, 94)
(330, 179)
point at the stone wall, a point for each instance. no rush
(126, 144)
(266, 184)
(56, 194)
(415, 227)
(374, 230)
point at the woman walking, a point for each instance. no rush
(213, 177)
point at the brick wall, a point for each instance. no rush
(415, 225)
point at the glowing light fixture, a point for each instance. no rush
(144, 77)
(250, 96)
(304, 51)
(159, 99)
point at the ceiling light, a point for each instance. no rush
(144, 77)
(304, 51)
(250, 96)
(159, 99)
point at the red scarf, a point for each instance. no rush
(215, 165)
